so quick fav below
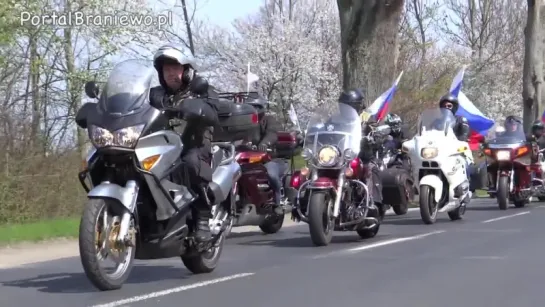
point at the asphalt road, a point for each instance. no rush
(490, 258)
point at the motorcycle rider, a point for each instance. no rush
(461, 127)
(395, 122)
(268, 127)
(355, 98)
(176, 73)
(538, 129)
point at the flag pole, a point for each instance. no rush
(248, 80)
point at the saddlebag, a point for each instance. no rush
(237, 121)
(393, 186)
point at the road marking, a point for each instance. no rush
(378, 244)
(394, 241)
(483, 258)
(173, 290)
(505, 217)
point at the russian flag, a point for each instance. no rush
(478, 123)
(379, 108)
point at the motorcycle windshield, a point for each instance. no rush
(500, 135)
(338, 126)
(436, 120)
(127, 88)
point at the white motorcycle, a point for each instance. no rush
(439, 162)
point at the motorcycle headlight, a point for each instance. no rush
(328, 156)
(503, 155)
(429, 152)
(125, 137)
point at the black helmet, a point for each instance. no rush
(512, 121)
(538, 126)
(449, 98)
(394, 121)
(353, 98)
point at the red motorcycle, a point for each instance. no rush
(330, 193)
(513, 168)
(254, 197)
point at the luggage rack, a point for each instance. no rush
(244, 96)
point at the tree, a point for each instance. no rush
(533, 65)
(369, 43)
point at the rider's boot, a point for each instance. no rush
(203, 210)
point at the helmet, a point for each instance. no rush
(394, 121)
(449, 99)
(538, 128)
(512, 123)
(353, 98)
(171, 53)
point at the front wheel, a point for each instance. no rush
(99, 227)
(204, 262)
(502, 195)
(320, 218)
(428, 206)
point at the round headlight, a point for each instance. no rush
(349, 154)
(328, 155)
(429, 152)
(306, 154)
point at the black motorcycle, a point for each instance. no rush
(396, 175)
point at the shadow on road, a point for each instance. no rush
(305, 241)
(78, 282)
(482, 208)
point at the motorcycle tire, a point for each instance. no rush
(502, 195)
(205, 262)
(320, 211)
(272, 224)
(428, 215)
(88, 249)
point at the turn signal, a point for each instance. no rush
(349, 172)
(488, 152)
(522, 151)
(149, 162)
(305, 171)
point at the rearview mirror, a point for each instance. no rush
(83, 114)
(91, 89)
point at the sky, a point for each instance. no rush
(223, 12)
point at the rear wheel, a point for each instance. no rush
(502, 195)
(321, 223)
(205, 262)
(428, 206)
(272, 223)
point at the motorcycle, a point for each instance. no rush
(397, 181)
(139, 203)
(254, 195)
(514, 176)
(439, 163)
(334, 198)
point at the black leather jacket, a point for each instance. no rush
(197, 134)
(461, 128)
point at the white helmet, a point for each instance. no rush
(174, 53)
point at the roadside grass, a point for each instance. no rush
(39, 231)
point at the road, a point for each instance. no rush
(490, 258)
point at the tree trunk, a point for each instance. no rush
(188, 28)
(532, 78)
(369, 44)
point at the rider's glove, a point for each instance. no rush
(262, 147)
